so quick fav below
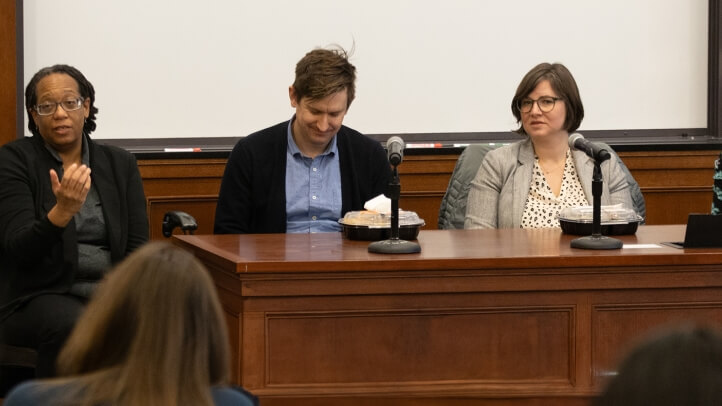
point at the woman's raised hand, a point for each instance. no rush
(70, 193)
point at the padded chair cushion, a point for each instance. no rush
(640, 206)
(453, 205)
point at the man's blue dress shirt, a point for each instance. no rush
(313, 189)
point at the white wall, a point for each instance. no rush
(218, 68)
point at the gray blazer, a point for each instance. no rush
(501, 185)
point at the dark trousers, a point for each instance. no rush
(43, 323)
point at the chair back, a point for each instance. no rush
(640, 207)
(453, 205)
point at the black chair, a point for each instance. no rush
(17, 364)
(176, 218)
(640, 206)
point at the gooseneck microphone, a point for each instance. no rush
(395, 150)
(593, 150)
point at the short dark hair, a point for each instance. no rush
(323, 72)
(84, 87)
(563, 83)
(682, 366)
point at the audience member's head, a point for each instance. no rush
(154, 333)
(323, 72)
(679, 367)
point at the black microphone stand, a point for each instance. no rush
(394, 245)
(597, 241)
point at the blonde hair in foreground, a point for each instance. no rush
(153, 334)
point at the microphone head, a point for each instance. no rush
(395, 150)
(395, 139)
(573, 139)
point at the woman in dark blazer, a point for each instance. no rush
(69, 209)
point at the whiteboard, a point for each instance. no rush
(221, 68)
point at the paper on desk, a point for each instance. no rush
(642, 246)
(380, 204)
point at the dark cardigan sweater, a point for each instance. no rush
(35, 255)
(252, 198)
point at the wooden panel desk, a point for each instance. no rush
(503, 317)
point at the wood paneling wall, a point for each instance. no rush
(8, 72)
(674, 183)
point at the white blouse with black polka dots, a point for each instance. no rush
(542, 206)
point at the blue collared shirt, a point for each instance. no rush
(313, 189)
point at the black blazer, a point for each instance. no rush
(38, 257)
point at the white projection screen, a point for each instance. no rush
(221, 68)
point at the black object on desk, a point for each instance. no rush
(703, 231)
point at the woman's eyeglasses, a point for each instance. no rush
(546, 104)
(48, 108)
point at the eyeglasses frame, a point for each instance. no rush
(555, 99)
(78, 100)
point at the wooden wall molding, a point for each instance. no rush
(674, 184)
(180, 199)
(678, 189)
(181, 168)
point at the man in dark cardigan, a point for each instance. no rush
(302, 175)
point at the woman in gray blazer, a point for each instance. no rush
(526, 184)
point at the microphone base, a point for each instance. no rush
(596, 242)
(394, 246)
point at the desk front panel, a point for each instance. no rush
(492, 328)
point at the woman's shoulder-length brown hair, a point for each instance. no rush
(154, 333)
(563, 83)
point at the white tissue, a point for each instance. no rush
(380, 204)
